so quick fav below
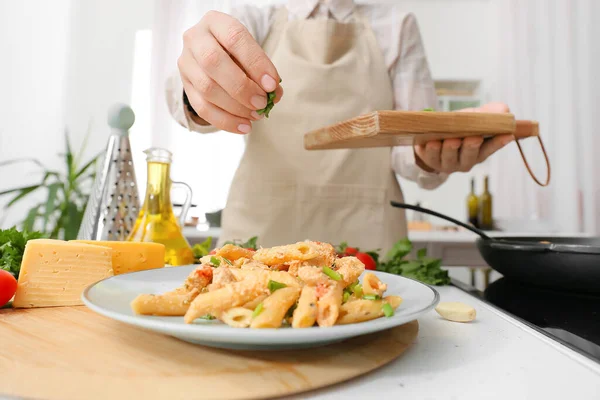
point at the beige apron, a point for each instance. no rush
(283, 193)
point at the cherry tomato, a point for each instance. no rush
(367, 260)
(213, 252)
(351, 251)
(8, 287)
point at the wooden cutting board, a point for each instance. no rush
(73, 353)
(403, 128)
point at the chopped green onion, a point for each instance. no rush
(227, 261)
(357, 290)
(336, 276)
(207, 317)
(257, 310)
(215, 261)
(371, 297)
(387, 310)
(274, 285)
(428, 109)
(346, 296)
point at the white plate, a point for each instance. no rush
(111, 297)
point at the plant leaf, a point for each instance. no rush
(29, 221)
(23, 192)
(50, 202)
(421, 253)
(86, 166)
(69, 157)
(73, 220)
(25, 159)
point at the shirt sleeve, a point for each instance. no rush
(258, 21)
(413, 90)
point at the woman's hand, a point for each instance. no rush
(460, 155)
(226, 75)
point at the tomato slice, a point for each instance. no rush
(367, 260)
(8, 287)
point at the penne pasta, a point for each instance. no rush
(350, 268)
(329, 303)
(237, 317)
(365, 310)
(278, 276)
(252, 304)
(313, 276)
(232, 295)
(302, 284)
(233, 253)
(305, 315)
(373, 285)
(168, 304)
(301, 251)
(275, 307)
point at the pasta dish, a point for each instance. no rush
(297, 285)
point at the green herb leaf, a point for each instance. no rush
(12, 247)
(371, 297)
(274, 285)
(428, 109)
(250, 244)
(387, 310)
(202, 249)
(215, 261)
(336, 276)
(400, 249)
(227, 261)
(257, 310)
(421, 253)
(207, 317)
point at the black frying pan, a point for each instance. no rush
(563, 263)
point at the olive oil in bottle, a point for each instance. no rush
(485, 207)
(156, 221)
(473, 206)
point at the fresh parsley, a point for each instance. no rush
(202, 249)
(249, 244)
(12, 248)
(425, 269)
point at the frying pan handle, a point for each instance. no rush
(523, 246)
(442, 216)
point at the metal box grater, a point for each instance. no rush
(113, 205)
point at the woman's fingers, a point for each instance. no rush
(238, 42)
(469, 152)
(214, 115)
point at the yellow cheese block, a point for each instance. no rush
(55, 272)
(133, 256)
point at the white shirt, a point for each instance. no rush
(399, 38)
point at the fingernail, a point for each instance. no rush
(243, 128)
(268, 83)
(255, 115)
(258, 102)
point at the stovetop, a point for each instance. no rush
(569, 318)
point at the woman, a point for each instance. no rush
(337, 60)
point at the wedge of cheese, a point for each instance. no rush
(55, 272)
(132, 256)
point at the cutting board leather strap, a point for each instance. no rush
(539, 138)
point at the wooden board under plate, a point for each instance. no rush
(72, 353)
(403, 128)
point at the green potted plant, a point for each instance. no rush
(59, 215)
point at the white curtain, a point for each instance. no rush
(547, 67)
(206, 162)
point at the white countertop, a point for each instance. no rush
(494, 357)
